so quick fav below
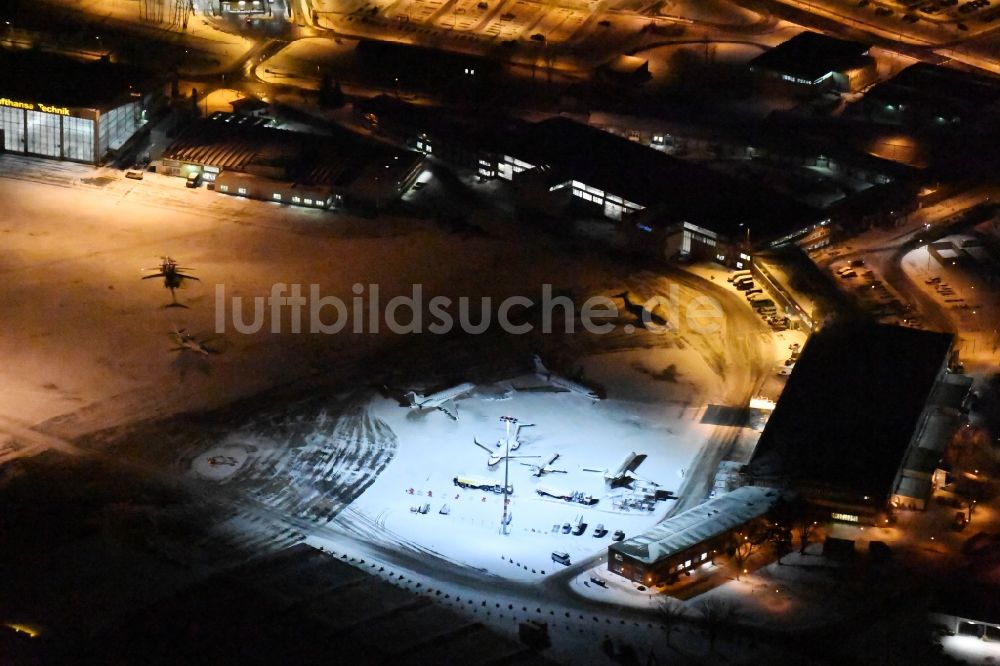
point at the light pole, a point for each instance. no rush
(507, 420)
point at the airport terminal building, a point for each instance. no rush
(54, 106)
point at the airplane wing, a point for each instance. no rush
(450, 408)
(187, 277)
(155, 275)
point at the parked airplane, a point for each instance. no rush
(443, 400)
(545, 375)
(624, 474)
(539, 470)
(496, 457)
(187, 342)
(515, 441)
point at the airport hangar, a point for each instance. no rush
(858, 431)
(660, 204)
(863, 422)
(244, 156)
(80, 111)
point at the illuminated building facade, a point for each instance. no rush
(70, 110)
(690, 539)
(811, 63)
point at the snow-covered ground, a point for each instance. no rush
(587, 435)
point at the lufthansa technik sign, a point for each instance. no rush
(29, 106)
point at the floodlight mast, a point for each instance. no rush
(507, 420)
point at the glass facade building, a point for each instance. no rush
(77, 134)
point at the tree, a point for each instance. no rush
(795, 514)
(746, 542)
(715, 614)
(780, 537)
(671, 616)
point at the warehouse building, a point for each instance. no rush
(58, 107)
(811, 63)
(930, 96)
(690, 539)
(243, 156)
(792, 188)
(863, 421)
(667, 206)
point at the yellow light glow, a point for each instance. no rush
(23, 629)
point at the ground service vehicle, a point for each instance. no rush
(552, 491)
(477, 483)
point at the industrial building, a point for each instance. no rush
(934, 97)
(262, 611)
(67, 109)
(670, 207)
(863, 421)
(811, 63)
(243, 156)
(663, 204)
(690, 539)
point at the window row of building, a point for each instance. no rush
(68, 134)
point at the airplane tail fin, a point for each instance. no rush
(412, 397)
(540, 368)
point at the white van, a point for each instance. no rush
(561, 557)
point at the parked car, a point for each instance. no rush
(597, 580)
(133, 174)
(561, 557)
(567, 528)
(618, 535)
(580, 529)
(194, 179)
(599, 531)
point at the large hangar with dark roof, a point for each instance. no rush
(857, 409)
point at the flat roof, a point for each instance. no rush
(810, 55)
(33, 76)
(851, 407)
(685, 190)
(938, 87)
(301, 606)
(240, 143)
(699, 524)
